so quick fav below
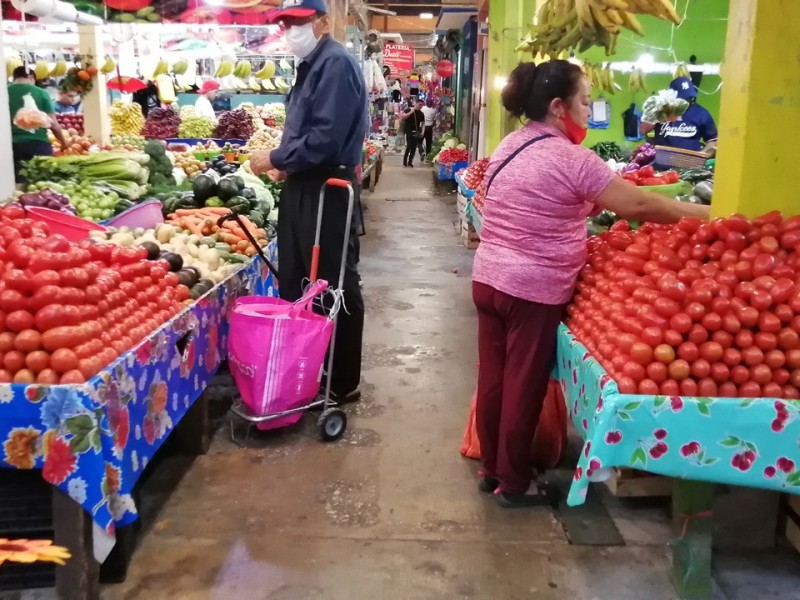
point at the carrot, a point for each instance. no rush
(215, 210)
(250, 251)
(193, 227)
(234, 227)
(187, 212)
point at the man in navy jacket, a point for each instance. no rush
(326, 123)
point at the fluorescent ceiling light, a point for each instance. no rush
(426, 15)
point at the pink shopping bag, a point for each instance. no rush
(276, 351)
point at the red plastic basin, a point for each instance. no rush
(71, 227)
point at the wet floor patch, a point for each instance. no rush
(350, 505)
(362, 438)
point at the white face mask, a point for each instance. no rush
(301, 40)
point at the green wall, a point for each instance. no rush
(702, 33)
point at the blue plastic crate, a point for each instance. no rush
(447, 171)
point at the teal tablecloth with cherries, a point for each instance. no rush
(747, 442)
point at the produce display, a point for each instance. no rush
(695, 309)
(126, 118)
(201, 262)
(72, 122)
(124, 173)
(76, 145)
(202, 222)
(90, 202)
(453, 155)
(160, 165)
(249, 198)
(609, 150)
(447, 142)
(474, 174)
(44, 196)
(234, 125)
(580, 24)
(264, 139)
(69, 309)
(644, 154)
(647, 176)
(602, 77)
(130, 142)
(190, 164)
(221, 166)
(273, 114)
(161, 124)
(194, 125)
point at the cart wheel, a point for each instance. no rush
(333, 423)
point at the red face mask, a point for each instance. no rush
(575, 132)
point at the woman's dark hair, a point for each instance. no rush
(531, 88)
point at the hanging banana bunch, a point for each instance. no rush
(580, 24)
(602, 78)
(682, 71)
(637, 82)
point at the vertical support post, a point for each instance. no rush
(79, 579)
(95, 105)
(6, 166)
(760, 104)
(508, 20)
(691, 550)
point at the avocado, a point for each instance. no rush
(152, 248)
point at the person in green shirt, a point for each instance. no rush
(27, 144)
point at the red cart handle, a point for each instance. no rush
(341, 183)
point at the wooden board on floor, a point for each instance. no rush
(630, 483)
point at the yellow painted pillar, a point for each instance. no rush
(508, 24)
(96, 123)
(760, 110)
(338, 12)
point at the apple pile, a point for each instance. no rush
(72, 122)
(708, 309)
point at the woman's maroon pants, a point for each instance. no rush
(516, 345)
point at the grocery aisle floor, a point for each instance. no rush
(391, 511)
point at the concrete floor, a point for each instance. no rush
(391, 511)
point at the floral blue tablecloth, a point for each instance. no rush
(94, 440)
(747, 442)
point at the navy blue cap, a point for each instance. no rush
(298, 9)
(685, 88)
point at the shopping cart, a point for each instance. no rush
(332, 420)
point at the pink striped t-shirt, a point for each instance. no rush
(533, 241)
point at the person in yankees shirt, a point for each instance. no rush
(695, 130)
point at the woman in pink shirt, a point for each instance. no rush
(542, 184)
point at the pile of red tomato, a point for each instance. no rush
(695, 309)
(474, 174)
(69, 309)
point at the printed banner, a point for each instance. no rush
(399, 58)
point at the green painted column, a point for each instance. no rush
(508, 22)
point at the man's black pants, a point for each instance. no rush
(297, 222)
(24, 151)
(428, 139)
(412, 141)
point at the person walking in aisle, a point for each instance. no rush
(414, 126)
(541, 186)
(430, 121)
(326, 123)
(27, 144)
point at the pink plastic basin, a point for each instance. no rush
(145, 215)
(71, 227)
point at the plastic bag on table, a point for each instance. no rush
(549, 441)
(29, 117)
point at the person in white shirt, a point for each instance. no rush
(430, 117)
(207, 93)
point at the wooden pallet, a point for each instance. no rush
(630, 483)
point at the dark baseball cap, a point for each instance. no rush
(298, 9)
(685, 88)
